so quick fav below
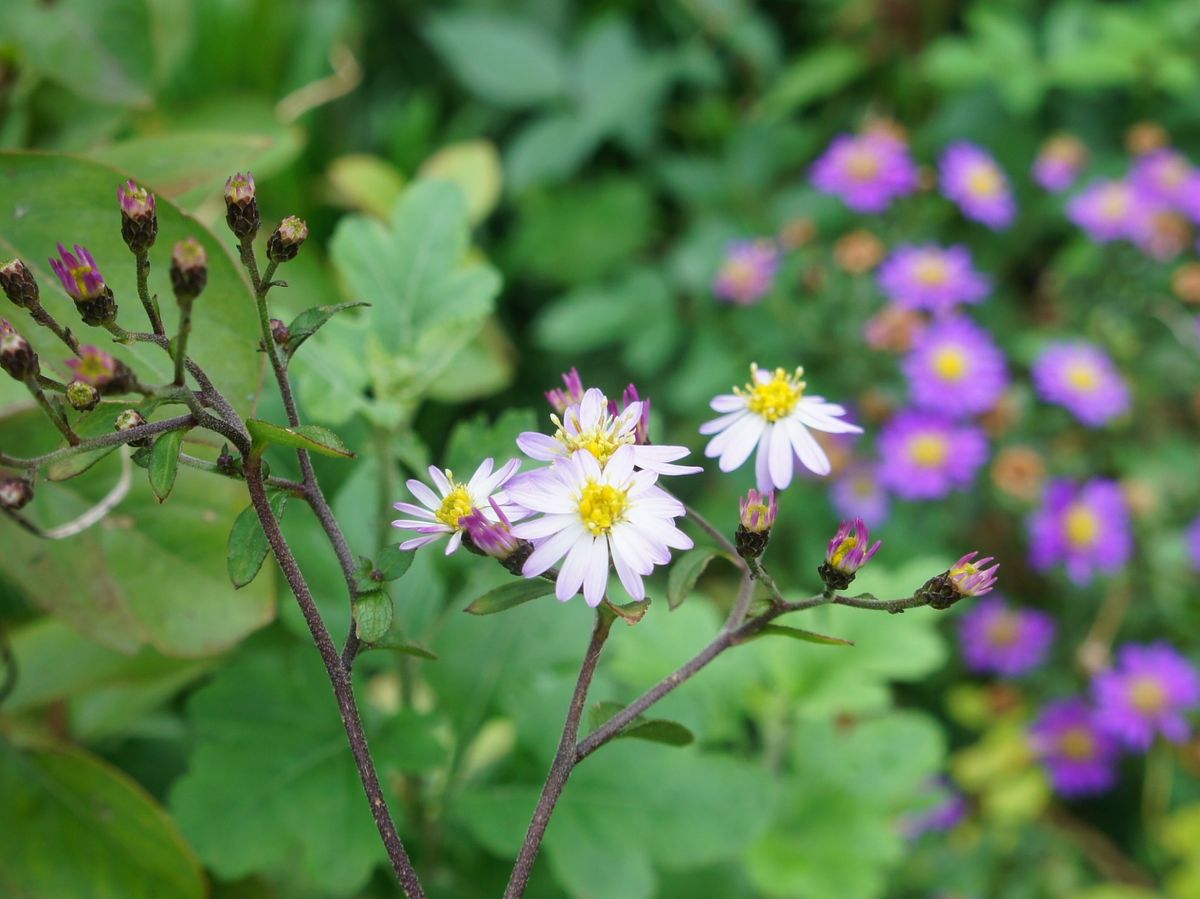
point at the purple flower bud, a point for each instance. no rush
(241, 206)
(189, 269)
(560, 399)
(493, 536)
(82, 396)
(19, 284)
(128, 420)
(280, 332)
(81, 279)
(16, 355)
(139, 219)
(15, 493)
(286, 240)
(971, 578)
(850, 549)
(756, 516)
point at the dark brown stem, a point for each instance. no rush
(293, 487)
(721, 540)
(148, 302)
(116, 438)
(564, 762)
(339, 679)
(46, 320)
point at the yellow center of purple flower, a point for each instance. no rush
(931, 270)
(456, 504)
(1077, 743)
(1114, 201)
(1081, 525)
(950, 363)
(1147, 695)
(928, 450)
(741, 274)
(601, 506)
(984, 181)
(1003, 630)
(862, 164)
(79, 275)
(776, 398)
(1083, 376)
(1173, 172)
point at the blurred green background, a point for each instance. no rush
(518, 188)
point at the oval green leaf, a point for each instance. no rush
(313, 438)
(248, 545)
(164, 463)
(782, 630)
(373, 615)
(509, 596)
(684, 574)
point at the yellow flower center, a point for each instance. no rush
(984, 181)
(1147, 695)
(1003, 630)
(601, 506)
(1077, 743)
(80, 273)
(862, 164)
(950, 363)
(1083, 376)
(1082, 526)
(456, 504)
(601, 441)
(928, 450)
(1114, 202)
(843, 550)
(931, 271)
(1173, 173)
(775, 398)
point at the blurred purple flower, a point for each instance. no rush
(857, 493)
(1147, 694)
(925, 455)
(1110, 210)
(93, 366)
(970, 178)
(1077, 754)
(931, 277)
(949, 811)
(1161, 176)
(1058, 162)
(867, 171)
(956, 368)
(1000, 639)
(1080, 377)
(748, 271)
(1084, 527)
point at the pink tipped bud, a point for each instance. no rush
(81, 279)
(16, 355)
(139, 220)
(560, 399)
(189, 269)
(756, 517)
(241, 206)
(971, 578)
(493, 536)
(286, 240)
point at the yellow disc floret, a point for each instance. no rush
(1083, 376)
(843, 550)
(950, 363)
(601, 506)
(455, 505)
(862, 164)
(773, 399)
(931, 270)
(1147, 695)
(1077, 743)
(601, 441)
(1082, 525)
(984, 181)
(1003, 630)
(929, 450)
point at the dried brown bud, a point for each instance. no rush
(858, 252)
(15, 493)
(16, 355)
(1019, 471)
(189, 269)
(19, 284)
(280, 332)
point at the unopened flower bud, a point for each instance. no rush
(966, 577)
(241, 206)
(139, 219)
(756, 516)
(15, 493)
(495, 538)
(280, 332)
(849, 550)
(286, 240)
(19, 284)
(130, 419)
(227, 463)
(81, 279)
(16, 355)
(82, 396)
(189, 269)
(561, 399)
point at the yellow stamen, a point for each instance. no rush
(843, 550)
(776, 398)
(1114, 202)
(984, 181)
(931, 271)
(929, 450)
(601, 441)
(1082, 526)
(1147, 695)
(1077, 743)
(456, 504)
(862, 164)
(1003, 631)
(950, 363)
(601, 506)
(1083, 376)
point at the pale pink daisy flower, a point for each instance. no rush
(591, 425)
(592, 513)
(773, 414)
(442, 514)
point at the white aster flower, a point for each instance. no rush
(589, 425)
(592, 513)
(443, 514)
(773, 414)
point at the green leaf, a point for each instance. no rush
(393, 562)
(308, 322)
(510, 595)
(479, 45)
(271, 787)
(373, 615)
(814, 76)
(313, 438)
(684, 574)
(631, 612)
(75, 826)
(474, 166)
(655, 730)
(63, 195)
(164, 463)
(477, 438)
(404, 647)
(368, 183)
(248, 545)
(795, 633)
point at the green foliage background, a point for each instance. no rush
(516, 188)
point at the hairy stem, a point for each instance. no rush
(564, 762)
(116, 438)
(293, 487)
(721, 540)
(46, 320)
(149, 303)
(339, 679)
(52, 413)
(185, 329)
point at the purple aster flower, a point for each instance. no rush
(748, 271)
(1081, 378)
(1161, 175)
(949, 811)
(1085, 527)
(857, 494)
(970, 576)
(93, 366)
(1147, 694)
(925, 455)
(932, 277)
(851, 549)
(1059, 161)
(1078, 755)
(1109, 210)
(1193, 543)
(971, 179)
(956, 367)
(867, 171)
(998, 638)
(79, 274)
